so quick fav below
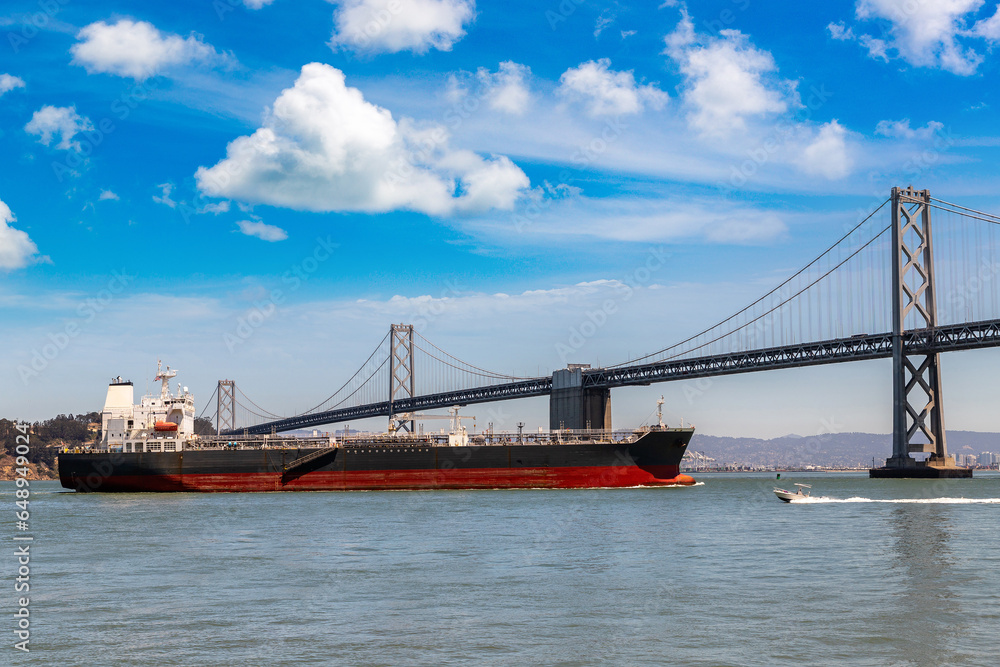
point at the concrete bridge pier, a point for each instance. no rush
(573, 406)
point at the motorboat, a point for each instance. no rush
(788, 496)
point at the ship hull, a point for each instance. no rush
(652, 460)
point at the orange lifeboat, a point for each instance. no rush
(165, 426)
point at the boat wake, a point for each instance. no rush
(913, 501)
(657, 486)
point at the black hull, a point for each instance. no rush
(653, 459)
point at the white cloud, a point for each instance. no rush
(607, 92)
(9, 83)
(136, 49)
(323, 147)
(839, 31)
(50, 121)
(643, 219)
(606, 18)
(828, 155)
(727, 79)
(108, 194)
(989, 28)
(262, 230)
(396, 25)
(17, 250)
(256, 4)
(164, 198)
(928, 34)
(900, 129)
(506, 89)
(877, 48)
(216, 209)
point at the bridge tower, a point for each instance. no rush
(917, 400)
(225, 415)
(401, 380)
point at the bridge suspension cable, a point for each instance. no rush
(439, 371)
(461, 365)
(763, 298)
(266, 413)
(783, 303)
(329, 398)
(209, 404)
(967, 262)
(970, 212)
(356, 390)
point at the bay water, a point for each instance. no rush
(868, 572)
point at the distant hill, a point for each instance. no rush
(834, 449)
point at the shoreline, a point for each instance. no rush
(36, 472)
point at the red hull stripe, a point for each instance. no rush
(478, 478)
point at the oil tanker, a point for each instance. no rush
(151, 446)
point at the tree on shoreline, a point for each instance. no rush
(69, 430)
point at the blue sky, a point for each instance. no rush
(493, 170)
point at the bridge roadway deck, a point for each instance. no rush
(949, 338)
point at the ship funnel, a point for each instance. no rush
(119, 396)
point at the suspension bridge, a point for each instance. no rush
(887, 288)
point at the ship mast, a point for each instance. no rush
(165, 376)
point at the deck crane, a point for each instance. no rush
(458, 434)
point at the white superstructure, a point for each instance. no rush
(156, 424)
